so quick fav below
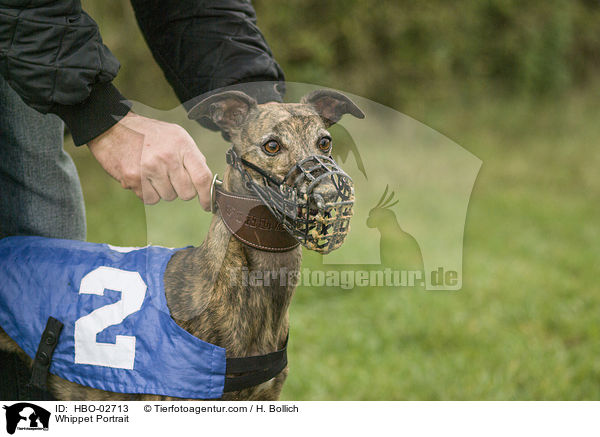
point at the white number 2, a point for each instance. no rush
(120, 354)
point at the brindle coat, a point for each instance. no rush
(205, 290)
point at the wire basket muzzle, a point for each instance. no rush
(314, 202)
(324, 203)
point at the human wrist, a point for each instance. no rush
(103, 108)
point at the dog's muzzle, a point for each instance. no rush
(313, 202)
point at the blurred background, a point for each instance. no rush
(516, 84)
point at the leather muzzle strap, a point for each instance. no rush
(251, 222)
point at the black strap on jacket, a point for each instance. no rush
(254, 370)
(43, 356)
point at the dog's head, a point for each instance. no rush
(283, 154)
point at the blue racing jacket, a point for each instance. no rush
(118, 333)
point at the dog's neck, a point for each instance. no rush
(219, 293)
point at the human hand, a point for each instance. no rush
(154, 159)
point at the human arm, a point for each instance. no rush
(203, 45)
(52, 55)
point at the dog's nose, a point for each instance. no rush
(319, 201)
(323, 194)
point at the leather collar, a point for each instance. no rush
(251, 222)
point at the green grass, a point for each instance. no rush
(525, 324)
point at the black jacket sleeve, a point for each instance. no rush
(202, 45)
(52, 55)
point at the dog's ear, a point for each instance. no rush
(331, 105)
(224, 111)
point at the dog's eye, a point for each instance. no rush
(325, 144)
(271, 147)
